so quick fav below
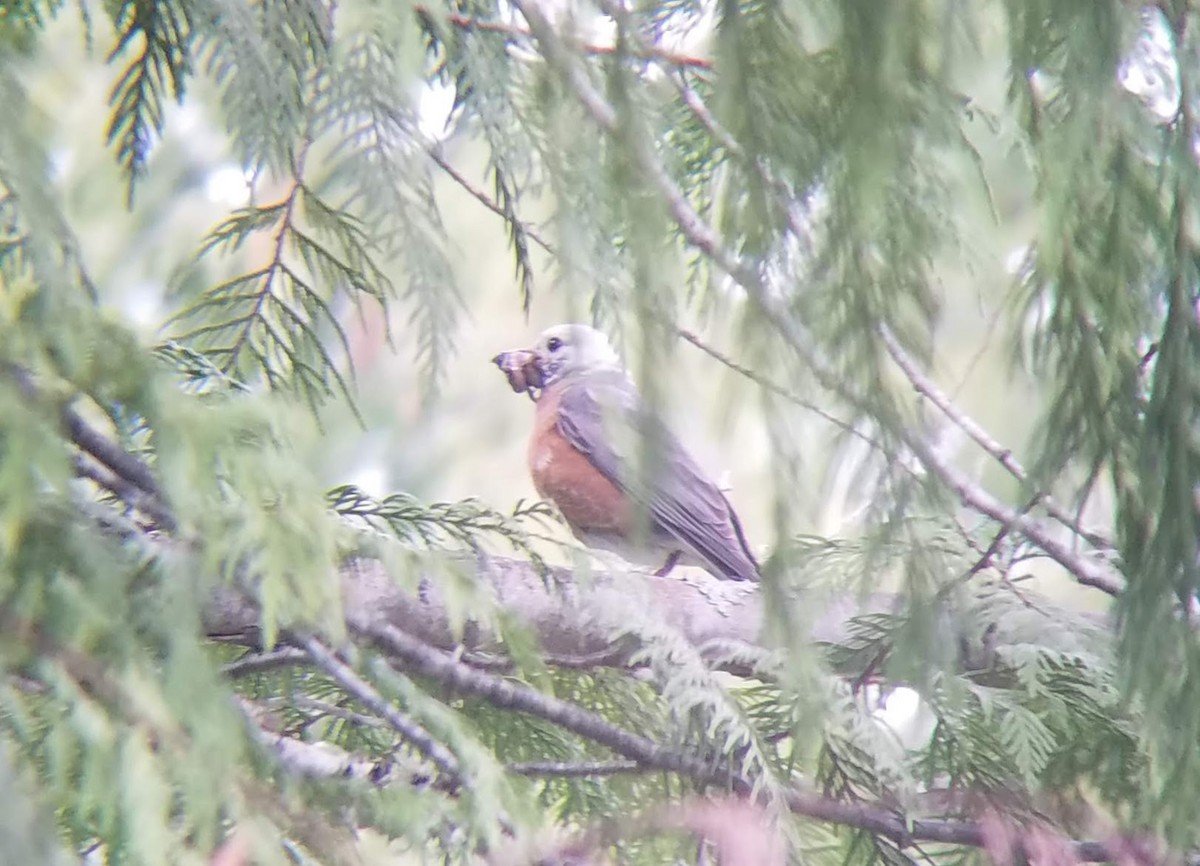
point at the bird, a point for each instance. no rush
(583, 457)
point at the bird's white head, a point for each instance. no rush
(565, 350)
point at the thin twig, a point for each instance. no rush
(580, 770)
(122, 463)
(314, 759)
(125, 466)
(514, 31)
(324, 708)
(1085, 571)
(254, 663)
(780, 391)
(276, 266)
(435, 154)
(368, 696)
(792, 397)
(123, 490)
(926, 387)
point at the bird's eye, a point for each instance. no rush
(554, 344)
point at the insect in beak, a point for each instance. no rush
(523, 370)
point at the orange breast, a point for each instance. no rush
(562, 474)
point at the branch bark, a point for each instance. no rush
(417, 657)
(574, 618)
(409, 729)
(877, 818)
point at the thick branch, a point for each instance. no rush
(506, 694)
(576, 619)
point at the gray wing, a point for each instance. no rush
(680, 498)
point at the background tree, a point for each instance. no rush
(269, 594)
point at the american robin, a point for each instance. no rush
(582, 456)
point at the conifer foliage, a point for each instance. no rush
(206, 657)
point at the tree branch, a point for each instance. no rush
(125, 466)
(574, 621)
(920, 382)
(468, 23)
(318, 760)
(422, 659)
(574, 770)
(132, 481)
(780, 391)
(925, 386)
(580, 622)
(255, 663)
(126, 492)
(506, 694)
(323, 709)
(323, 760)
(423, 741)
(439, 159)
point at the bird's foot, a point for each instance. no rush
(672, 561)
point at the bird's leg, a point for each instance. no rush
(672, 561)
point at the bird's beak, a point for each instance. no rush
(523, 370)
